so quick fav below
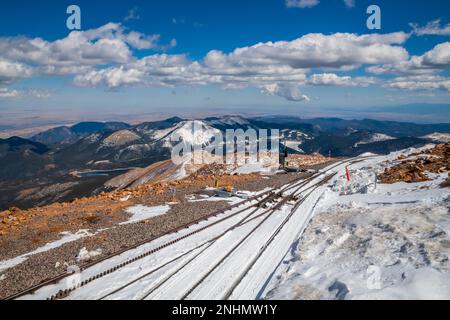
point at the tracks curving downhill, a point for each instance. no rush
(256, 212)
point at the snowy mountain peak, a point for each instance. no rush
(438, 137)
(194, 132)
(376, 137)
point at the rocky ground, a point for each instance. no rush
(306, 159)
(23, 231)
(417, 166)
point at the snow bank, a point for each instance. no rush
(371, 241)
(254, 168)
(85, 255)
(66, 237)
(141, 213)
(376, 137)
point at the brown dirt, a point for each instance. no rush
(306, 160)
(446, 183)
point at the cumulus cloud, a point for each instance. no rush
(340, 50)
(91, 47)
(261, 64)
(431, 28)
(13, 93)
(289, 92)
(331, 79)
(109, 44)
(438, 57)
(7, 93)
(421, 82)
(277, 68)
(301, 3)
(11, 72)
(105, 57)
(110, 77)
(337, 51)
(435, 60)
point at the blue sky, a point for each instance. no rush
(207, 57)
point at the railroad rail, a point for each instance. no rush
(261, 200)
(255, 229)
(265, 197)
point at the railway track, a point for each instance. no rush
(260, 199)
(206, 245)
(266, 199)
(255, 203)
(255, 229)
(251, 264)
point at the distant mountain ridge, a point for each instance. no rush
(22, 158)
(67, 135)
(392, 128)
(33, 172)
(119, 143)
(17, 143)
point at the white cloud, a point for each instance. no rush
(263, 63)
(110, 77)
(301, 3)
(331, 79)
(105, 57)
(289, 92)
(79, 48)
(421, 82)
(13, 93)
(109, 44)
(7, 93)
(435, 60)
(11, 72)
(340, 50)
(431, 28)
(140, 41)
(439, 57)
(279, 68)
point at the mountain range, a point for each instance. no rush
(47, 167)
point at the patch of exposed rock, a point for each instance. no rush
(435, 160)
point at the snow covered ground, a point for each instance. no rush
(66, 238)
(195, 256)
(138, 213)
(141, 213)
(376, 137)
(357, 240)
(369, 241)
